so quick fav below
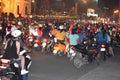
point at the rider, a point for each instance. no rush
(101, 37)
(12, 50)
(60, 34)
(74, 37)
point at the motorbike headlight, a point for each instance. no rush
(35, 45)
(85, 42)
(31, 40)
(73, 54)
(44, 44)
(54, 52)
(94, 39)
(0, 28)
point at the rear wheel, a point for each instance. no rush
(103, 55)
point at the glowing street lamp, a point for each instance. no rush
(115, 12)
(34, 10)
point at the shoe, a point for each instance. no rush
(24, 72)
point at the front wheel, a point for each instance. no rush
(77, 62)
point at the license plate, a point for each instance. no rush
(102, 49)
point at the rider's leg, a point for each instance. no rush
(23, 71)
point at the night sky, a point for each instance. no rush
(113, 4)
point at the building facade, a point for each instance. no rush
(16, 7)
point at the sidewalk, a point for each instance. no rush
(110, 70)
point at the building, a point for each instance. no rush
(16, 7)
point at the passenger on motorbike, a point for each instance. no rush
(60, 34)
(8, 35)
(110, 45)
(46, 31)
(12, 50)
(74, 38)
(101, 37)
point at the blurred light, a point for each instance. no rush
(33, 1)
(116, 11)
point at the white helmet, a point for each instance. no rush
(61, 27)
(16, 33)
(19, 23)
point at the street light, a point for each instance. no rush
(114, 12)
(33, 7)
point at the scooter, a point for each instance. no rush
(10, 70)
(103, 50)
(37, 44)
(59, 49)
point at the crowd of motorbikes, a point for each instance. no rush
(85, 54)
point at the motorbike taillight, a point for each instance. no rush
(37, 41)
(4, 62)
(93, 51)
(102, 45)
(44, 40)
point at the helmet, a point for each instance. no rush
(16, 33)
(19, 23)
(61, 27)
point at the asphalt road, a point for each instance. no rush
(50, 67)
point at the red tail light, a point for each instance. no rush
(103, 45)
(44, 40)
(93, 51)
(37, 41)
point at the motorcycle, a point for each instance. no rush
(47, 45)
(103, 51)
(37, 44)
(10, 70)
(76, 57)
(83, 54)
(59, 49)
(44, 44)
(30, 39)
